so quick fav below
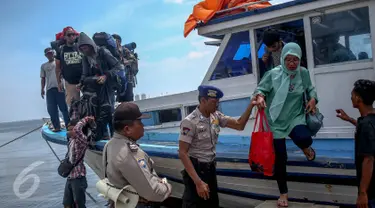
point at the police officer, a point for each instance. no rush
(126, 163)
(199, 133)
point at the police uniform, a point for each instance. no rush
(202, 134)
(125, 163)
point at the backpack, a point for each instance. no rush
(103, 39)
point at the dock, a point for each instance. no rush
(273, 204)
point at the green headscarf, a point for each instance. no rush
(283, 90)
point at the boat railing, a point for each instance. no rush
(242, 6)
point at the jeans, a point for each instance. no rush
(56, 100)
(301, 136)
(74, 193)
(109, 131)
(129, 95)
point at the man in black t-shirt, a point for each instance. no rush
(363, 97)
(69, 65)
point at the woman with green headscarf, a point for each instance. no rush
(280, 92)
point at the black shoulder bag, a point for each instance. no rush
(66, 167)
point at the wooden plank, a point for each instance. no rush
(273, 204)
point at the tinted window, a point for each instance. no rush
(170, 115)
(341, 37)
(190, 109)
(235, 60)
(234, 107)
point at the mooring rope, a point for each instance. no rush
(17, 138)
(57, 157)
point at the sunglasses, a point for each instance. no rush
(71, 34)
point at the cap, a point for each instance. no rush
(48, 50)
(117, 37)
(210, 91)
(128, 111)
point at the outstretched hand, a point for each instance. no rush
(260, 102)
(342, 114)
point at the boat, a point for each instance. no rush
(319, 26)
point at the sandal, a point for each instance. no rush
(311, 152)
(56, 130)
(282, 203)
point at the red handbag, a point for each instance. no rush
(262, 152)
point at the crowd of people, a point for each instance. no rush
(83, 79)
(279, 93)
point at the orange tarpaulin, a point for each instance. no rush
(205, 10)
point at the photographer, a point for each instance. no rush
(76, 184)
(130, 61)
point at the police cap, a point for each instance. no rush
(210, 92)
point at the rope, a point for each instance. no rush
(23, 135)
(88, 194)
(5, 144)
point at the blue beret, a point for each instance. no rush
(210, 91)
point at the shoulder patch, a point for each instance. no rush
(142, 163)
(185, 130)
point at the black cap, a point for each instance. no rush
(117, 37)
(128, 111)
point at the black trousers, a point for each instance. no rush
(301, 137)
(207, 172)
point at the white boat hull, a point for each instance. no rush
(249, 192)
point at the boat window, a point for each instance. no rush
(235, 60)
(152, 120)
(341, 37)
(190, 109)
(292, 31)
(234, 107)
(169, 115)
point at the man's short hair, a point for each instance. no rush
(366, 90)
(48, 50)
(270, 37)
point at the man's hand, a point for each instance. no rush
(90, 118)
(362, 200)
(42, 93)
(203, 190)
(265, 58)
(341, 114)
(311, 106)
(260, 102)
(102, 79)
(79, 86)
(60, 87)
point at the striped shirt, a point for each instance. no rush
(77, 148)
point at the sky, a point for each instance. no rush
(169, 63)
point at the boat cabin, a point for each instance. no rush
(337, 45)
